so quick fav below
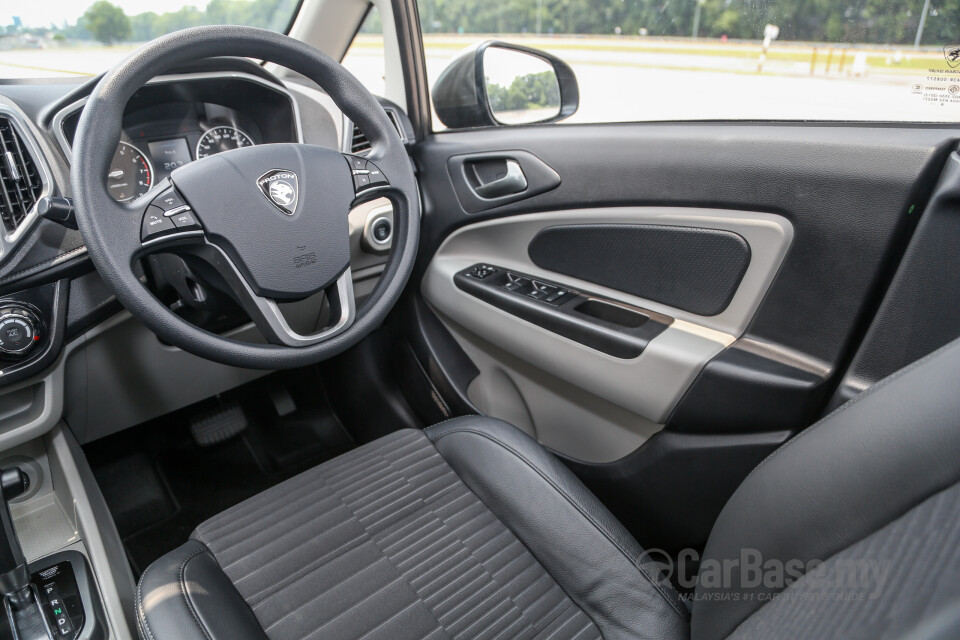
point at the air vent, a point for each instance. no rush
(22, 185)
(359, 144)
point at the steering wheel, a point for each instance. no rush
(271, 220)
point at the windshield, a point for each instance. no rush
(56, 38)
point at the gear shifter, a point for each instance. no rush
(20, 599)
(14, 576)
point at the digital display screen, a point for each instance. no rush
(170, 154)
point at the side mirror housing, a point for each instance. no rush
(497, 83)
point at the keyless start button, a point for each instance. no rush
(382, 230)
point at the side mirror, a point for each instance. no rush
(497, 83)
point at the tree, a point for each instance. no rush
(107, 22)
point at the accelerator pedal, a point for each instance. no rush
(222, 421)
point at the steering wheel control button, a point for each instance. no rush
(169, 200)
(377, 179)
(18, 331)
(366, 175)
(361, 181)
(185, 221)
(155, 224)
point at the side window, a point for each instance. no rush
(365, 57)
(648, 60)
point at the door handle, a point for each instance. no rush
(513, 182)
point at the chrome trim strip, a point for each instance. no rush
(172, 236)
(271, 313)
(176, 210)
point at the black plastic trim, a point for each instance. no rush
(565, 319)
(71, 265)
(669, 492)
(449, 368)
(540, 178)
(460, 93)
(920, 311)
(782, 395)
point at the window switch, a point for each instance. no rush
(544, 290)
(558, 297)
(517, 283)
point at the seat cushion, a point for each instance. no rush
(387, 541)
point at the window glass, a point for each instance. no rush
(887, 60)
(365, 57)
(57, 38)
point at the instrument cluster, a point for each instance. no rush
(137, 167)
(177, 120)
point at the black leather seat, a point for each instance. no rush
(470, 529)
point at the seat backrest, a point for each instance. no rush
(847, 521)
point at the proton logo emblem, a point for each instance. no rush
(952, 54)
(281, 188)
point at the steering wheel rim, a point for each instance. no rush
(106, 225)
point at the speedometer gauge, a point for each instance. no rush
(131, 174)
(221, 138)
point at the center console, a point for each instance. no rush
(63, 571)
(52, 598)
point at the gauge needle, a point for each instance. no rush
(115, 174)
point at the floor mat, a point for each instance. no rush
(160, 484)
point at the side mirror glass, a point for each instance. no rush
(497, 83)
(521, 88)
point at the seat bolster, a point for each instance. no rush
(576, 539)
(862, 467)
(186, 595)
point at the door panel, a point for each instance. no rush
(649, 385)
(836, 207)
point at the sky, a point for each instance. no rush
(41, 13)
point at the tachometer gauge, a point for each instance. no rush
(221, 138)
(131, 174)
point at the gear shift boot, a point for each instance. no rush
(25, 615)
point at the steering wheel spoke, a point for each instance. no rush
(268, 317)
(265, 312)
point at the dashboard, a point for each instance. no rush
(176, 121)
(69, 321)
